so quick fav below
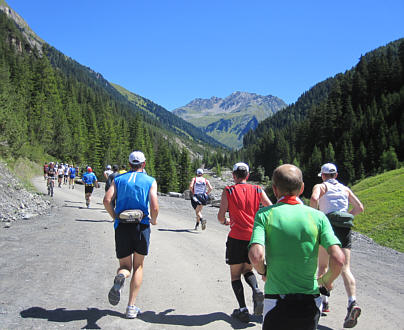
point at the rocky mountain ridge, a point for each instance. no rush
(229, 119)
(30, 36)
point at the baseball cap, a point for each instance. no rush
(108, 167)
(137, 157)
(199, 171)
(89, 169)
(328, 168)
(241, 166)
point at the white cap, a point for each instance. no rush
(199, 171)
(328, 168)
(108, 167)
(241, 166)
(137, 157)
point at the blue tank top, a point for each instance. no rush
(72, 171)
(132, 192)
(89, 178)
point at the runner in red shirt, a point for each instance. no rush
(242, 200)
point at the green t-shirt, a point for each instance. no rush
(291, 235)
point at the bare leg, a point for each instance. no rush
(137, 278)
(88, 198)
(198, 212)
(349, 280)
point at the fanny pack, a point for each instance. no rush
(131, 216)
(341, 219)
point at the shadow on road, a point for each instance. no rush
(195, 320)
(88, 220)
(323, 327)
(91, 315)
(83, 207)
(191, 231)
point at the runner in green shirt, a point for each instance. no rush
(284, 248)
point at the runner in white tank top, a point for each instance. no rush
(331, 196)
(200, 189)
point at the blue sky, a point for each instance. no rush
(173, 51)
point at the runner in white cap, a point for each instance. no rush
(200, 189)
(333, 198)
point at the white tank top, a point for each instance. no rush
(199, 185)
(335, 199)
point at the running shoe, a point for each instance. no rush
(114, 294)
(203, 222)
(132, 312)
(351, 318)
(242, 316)
(258, 300)
(326, 307)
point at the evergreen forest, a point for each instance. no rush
(355, 120)
(53, 108)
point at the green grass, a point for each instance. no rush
(383, 199)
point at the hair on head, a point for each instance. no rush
(288, 179)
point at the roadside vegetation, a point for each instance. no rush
(383, 199)
(24, 169)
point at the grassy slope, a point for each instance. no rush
(383, 199)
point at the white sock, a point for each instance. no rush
(351, 300)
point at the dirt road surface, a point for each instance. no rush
(56, 271)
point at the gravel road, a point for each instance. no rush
(56, 271)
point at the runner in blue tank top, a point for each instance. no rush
(90, 181)
(72, 175)
(135, 192)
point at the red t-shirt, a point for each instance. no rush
(244, 201)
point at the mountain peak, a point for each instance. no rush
(228, 119)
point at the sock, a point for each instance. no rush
(239, 292)
(251, 281)
(351, 300)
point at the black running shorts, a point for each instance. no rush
(199, 199)
(293, 314)
(344, 235)
(88, 189)
(130, 238)
(236, 251)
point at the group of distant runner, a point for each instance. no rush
(62, 172)
(298, 250)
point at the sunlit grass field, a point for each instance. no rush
(383, 199)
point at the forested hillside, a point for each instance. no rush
(50, 104)
(355, 119)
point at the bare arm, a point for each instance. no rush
(265, 200)
(209, 187)
(256, 254)
(224, 204)
(337, 260)
(191, 185)
(356, 203)
(110, 195)
(318, 192)
(154, 204)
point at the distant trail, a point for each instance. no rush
(57, 270)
